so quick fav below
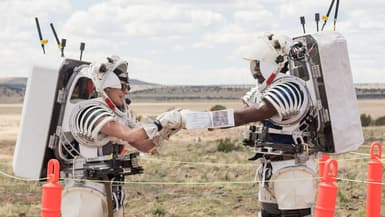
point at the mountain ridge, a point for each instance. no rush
(12, 91)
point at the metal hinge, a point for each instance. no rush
(58, 130)
(52, 141)
(325, 115)
(61, 95)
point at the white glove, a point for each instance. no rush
(169, 123)
(165, 125)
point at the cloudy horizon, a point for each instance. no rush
(181, 42)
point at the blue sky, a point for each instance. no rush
(181, 41)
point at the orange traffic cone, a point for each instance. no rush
(327, 191)
(51, 195)
(321, 163)
(373, 197)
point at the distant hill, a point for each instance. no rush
(139, 82)
(14, 82)
(186, 92)
(12, 91)
(21, 82)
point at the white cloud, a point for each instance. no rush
(182, 41)
(368, 75)
(229, 35)
(148, 20)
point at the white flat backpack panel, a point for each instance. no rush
(35, 121)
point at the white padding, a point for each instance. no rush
(294, 187)
(35, 122)
(82, 201)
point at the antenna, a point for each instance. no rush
(302, 19)
(325, 18)
(316, 17)
(42, 41)
(63, 45)
(336, 14)
(82, 46)
(54, 33)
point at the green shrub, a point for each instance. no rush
(380, 121)
(217, 107)
(159, 211)
(366, 120)
(226, 145)
(138, 118)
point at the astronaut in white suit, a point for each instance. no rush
(99, 128)
(287, 173)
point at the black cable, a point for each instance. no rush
(82, 46)
(316, 17)
(63, 44)
(302, 19)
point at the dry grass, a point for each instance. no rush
(375, 108)
(6, 109)
(154, 108)
(22, 197)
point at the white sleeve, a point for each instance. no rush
(287, 98)
(88, 123)
(252, 97)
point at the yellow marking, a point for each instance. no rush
(44, 41)
(324, 18)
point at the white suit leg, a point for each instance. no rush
(83, 201)
(292, 186)
(87, 199)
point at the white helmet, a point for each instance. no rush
(109, 74)
(270, 51)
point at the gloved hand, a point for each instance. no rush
(169, 123)
(166, 125)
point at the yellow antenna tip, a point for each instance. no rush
(324, 18)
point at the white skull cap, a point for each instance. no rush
(111, 73)
(266, 49)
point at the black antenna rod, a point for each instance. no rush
(325, 18)
(63, 45)
(316, 16)
(82, 46)
(42, 41)
(336, 14)
(303, 23)
(57, 38)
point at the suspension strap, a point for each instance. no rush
(107, 185)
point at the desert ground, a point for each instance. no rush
(190, 176)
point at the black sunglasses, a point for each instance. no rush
(125, 87)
